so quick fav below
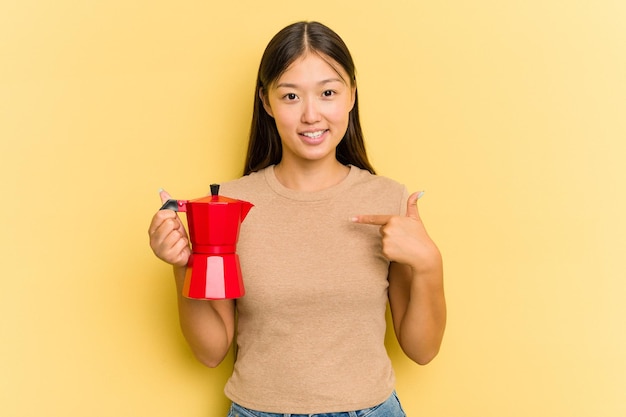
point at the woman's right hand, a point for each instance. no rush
(208, 326)
(168, 237)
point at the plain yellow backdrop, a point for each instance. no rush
(510, 114)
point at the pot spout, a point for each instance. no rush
(245, 209)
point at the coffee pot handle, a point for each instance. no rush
(176, 205)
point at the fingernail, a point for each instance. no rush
(420, 195)
(161, 190)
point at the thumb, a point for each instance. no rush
(411, 205)
(164, 195)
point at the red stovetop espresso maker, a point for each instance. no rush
(213, 271)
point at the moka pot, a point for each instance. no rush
(213, 269)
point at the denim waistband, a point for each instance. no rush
(390, 408)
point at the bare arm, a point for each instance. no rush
(416, 294)
(418, 310)
(208, 326)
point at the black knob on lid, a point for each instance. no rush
(215, 189)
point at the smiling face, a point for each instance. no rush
(310, 103)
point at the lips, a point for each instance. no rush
(313, 137)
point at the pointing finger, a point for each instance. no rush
(375, 219)
(383, 219)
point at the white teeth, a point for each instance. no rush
(314, 135)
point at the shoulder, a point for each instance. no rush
(365, 177)
(246, 187)
(383, 192)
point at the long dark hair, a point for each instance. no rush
(264, 146)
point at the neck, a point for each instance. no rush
(310, 178)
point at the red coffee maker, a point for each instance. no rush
(213, 270)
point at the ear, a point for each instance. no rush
(353, 92)
(265, 101)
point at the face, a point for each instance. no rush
(310, 103)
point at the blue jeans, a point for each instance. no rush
(390, 408)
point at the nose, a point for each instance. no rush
(310, 111)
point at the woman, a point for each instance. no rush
(326, 246)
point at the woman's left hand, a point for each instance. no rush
(404, 238)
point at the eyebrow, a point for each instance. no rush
(327, 81)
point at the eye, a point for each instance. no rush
(290, 96)
(328, 93)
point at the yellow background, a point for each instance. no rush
(510, 114)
